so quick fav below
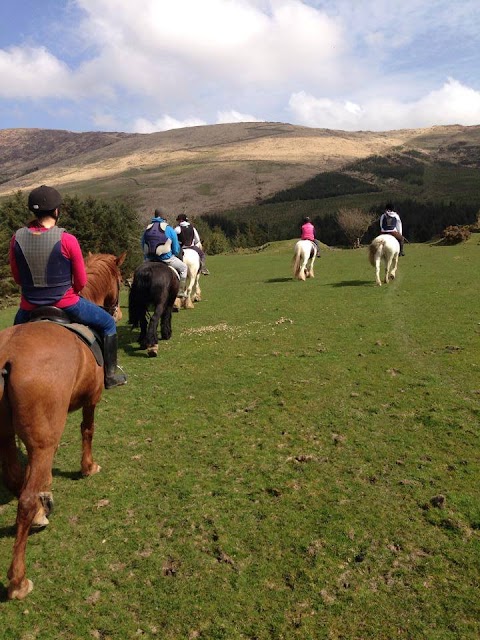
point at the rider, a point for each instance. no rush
(308, 233)
(47, 263)
(188, 237)
(390, 223)
(160, 244)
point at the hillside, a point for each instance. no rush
(214, 168)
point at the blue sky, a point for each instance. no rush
(152, 65)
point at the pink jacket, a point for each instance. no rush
(308, 231)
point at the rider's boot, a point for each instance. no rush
(181, 290)
(203, 270)
(112, 378)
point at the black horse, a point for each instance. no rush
(155, 286)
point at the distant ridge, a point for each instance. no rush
(208, 168)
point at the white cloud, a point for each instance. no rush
(225, 117)
(451, 104)
(165, 123)
(330, 63)
(33, 73)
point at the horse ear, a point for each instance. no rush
(90, 254)
(121, 259)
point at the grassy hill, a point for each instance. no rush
(216, 168)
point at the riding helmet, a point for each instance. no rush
(44, 199)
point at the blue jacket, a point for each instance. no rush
(171, 235)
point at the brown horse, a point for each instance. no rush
(47, 371)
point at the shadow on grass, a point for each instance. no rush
(70, 475)
(128, 342)
(352, 283)
(11, 530)
(273, 280)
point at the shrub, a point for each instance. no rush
(455, 234)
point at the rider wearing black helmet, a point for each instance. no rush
(188, 237)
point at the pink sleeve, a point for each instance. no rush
(71, 249)
(13, 262)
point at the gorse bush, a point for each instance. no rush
(455, 234)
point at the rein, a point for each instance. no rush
(112, 309)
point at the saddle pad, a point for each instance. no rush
(88, 337)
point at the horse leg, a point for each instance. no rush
(393, 271)
(38, 476)
(152, 332)
(187, 301)
(377, 270)
(143, 330)
(166, 323)
(196, 293)
(87, 465)
(310, 273)
(12, 472)
(301, 274)
(388, 266)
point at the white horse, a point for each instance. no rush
(303, 259)
(192, 287)
(384, 247)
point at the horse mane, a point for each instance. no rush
(101, 268)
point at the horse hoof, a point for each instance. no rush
(152, 351)
(94, 468)
(40, 521)
(46, 498)
(22, 592)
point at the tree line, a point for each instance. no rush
(422, 221)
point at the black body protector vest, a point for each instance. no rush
(186, 235)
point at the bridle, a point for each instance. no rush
(112, 309)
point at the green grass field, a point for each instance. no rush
(301, 461)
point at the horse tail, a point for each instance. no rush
(139, 295)
(297, 260)
(375, 246)
(4, 373)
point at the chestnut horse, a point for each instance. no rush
(46, 372)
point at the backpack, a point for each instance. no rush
(389, 222)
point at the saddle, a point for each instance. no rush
(53, 314)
